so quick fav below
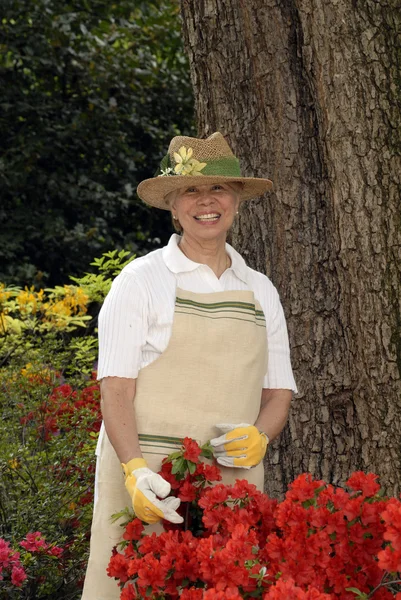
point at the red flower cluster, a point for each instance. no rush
(191, 450)
(11, 568)
(62, 410)
(390, 557)
(10, 565)
(320, 543)
(35, 542)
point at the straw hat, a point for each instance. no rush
(191, 161)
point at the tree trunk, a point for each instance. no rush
(308, 93)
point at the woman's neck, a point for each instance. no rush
(207, 252)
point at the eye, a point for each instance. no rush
(190, 190)
(217, 187)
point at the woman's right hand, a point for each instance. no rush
(145, 488)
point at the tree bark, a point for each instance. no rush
(308, 93)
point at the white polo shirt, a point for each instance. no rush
(136, 319)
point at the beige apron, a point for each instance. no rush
(211, 372)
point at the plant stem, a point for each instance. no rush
(186, 517)
(383, 584)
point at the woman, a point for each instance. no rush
(193, 343)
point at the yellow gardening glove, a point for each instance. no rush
(145, 487)
(242, 446)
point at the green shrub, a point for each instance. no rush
(48, 432)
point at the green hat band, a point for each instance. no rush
(224, 167)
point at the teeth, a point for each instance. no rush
(207, 217)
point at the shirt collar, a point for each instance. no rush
(177, 262)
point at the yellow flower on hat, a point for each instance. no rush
(183, 155)
(185, 164)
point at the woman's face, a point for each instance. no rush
(206, 211)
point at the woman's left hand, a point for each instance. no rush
(242, 446)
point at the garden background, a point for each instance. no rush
(91, 93)
(308, 92)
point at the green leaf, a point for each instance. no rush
(207, 450)
(191, 467)
(165, 162)
(178, 466)
(357, 592)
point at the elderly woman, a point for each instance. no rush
(192, 343)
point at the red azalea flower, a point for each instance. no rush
(215, 495)
(134, 529)
(217, 518)
(55, 551)
(130, 551)
(192, 594)
(128, 593)
(86, 498)
(303, 488)
(231, 593)
(18, 576)
(118, 567)
(284, 590)
(187, 492)
(191, 450)
(29, 417)
(151, 573)
(6, 554)
(242, 488)
(392, 519)
(211, 473)
(62, 391)
(165, 472)
(389, 560)
(34, 542)
(151, 544)
(365, 482)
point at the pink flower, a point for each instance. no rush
(8, 556)
(55, 551)
(18, 576)
(5, 553)
(34, 542)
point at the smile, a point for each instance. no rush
(208, 217)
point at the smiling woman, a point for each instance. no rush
(235, 188)
(205, 213)
(192, 343)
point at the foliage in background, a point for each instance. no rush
(91, 92)
(50, 418)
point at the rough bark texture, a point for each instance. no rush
(308, 93)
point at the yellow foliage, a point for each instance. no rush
(28, 300)
(4, 294)
(61, 308)
(38, 374)
(10, 325)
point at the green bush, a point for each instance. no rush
(48, 432)
(91, 94)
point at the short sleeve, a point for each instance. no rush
(279, 373)
(123, 323)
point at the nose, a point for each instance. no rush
(205, 197)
